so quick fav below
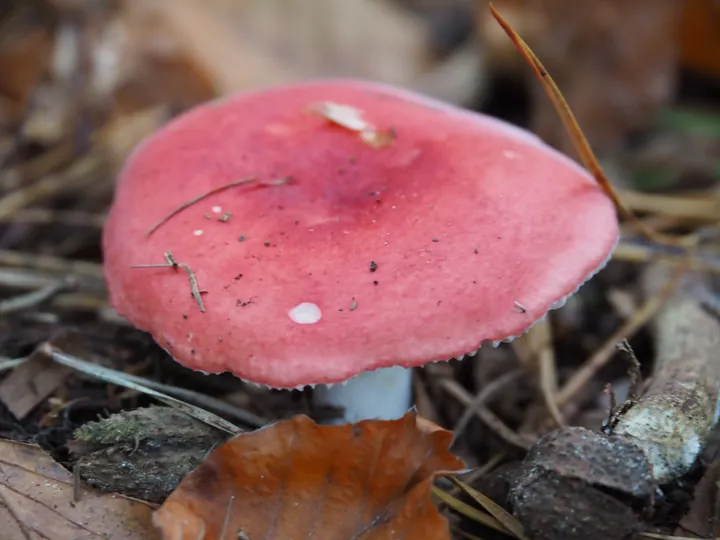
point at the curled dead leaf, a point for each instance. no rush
(297, 479)
(39, 499)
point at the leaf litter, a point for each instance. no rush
(54, 177)
(39, 499)
(297, 479)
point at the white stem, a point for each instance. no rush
(384, 394)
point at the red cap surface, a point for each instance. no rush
(462, 229)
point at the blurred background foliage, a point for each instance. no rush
(642, 76)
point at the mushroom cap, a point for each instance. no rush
(463, 229)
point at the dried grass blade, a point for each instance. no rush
(120, 379)
(470, 512)
(580, 142)
(491, 507)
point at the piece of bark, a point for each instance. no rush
(579, 484)
(582, 484)
(143, 453)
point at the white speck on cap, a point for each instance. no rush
(198, 232)
(217, 209)
(509, 154)
(305, 313)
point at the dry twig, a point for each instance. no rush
(486, 415)
(603, 355)
(672, 421)
(172, 263)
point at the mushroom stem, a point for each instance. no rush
(384, 394)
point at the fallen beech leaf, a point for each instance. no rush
(30, 384)
(37, 500)
(299, 480)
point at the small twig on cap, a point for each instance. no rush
(581, 143)
(213, 191)
(172, 263)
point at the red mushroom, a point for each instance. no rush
(364, 240)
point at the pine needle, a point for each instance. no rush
(581, 144)
(508, 521)
(213, 191)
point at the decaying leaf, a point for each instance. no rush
(297, 479)
(23, 57)
(30, 384)
(699, 36)
(38, 500)
(255, 43)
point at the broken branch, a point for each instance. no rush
(673, 420)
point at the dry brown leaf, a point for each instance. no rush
(700, 36)
(296, 479)
(145, 62)
(30, 384)
(37, 500)
(240, 46)
(23, 57)
(257, 42)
